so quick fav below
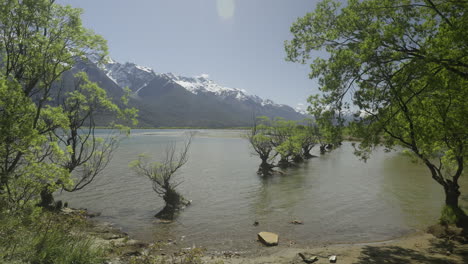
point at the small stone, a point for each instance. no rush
(256, 223)
(67, 211)
(308, 258)
(268, 238)
(332, 259)
(297, 222)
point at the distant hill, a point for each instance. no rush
(176, 101)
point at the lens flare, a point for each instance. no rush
(226, 8)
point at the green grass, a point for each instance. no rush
(45, 238)
(452, 216)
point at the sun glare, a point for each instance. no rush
(225, 8)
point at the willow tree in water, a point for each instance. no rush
(405, 66)
(262, 145)
(307, 135)
(281, 143)
(161, 174)
(329, 122)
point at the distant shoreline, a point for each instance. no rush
(163, 128)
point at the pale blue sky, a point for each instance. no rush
(239, 43)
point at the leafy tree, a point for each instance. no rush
(85, 154)
(262, 145)
(286, 139)
(404, 64)
(329, 122)
(43, 126)
(308, 136)
(162, 175)
(23, 176)
(286, 144)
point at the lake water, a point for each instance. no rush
(339, 198)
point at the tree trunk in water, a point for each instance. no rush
(306, 153)
(265, 168)
(322, 149)
(174, 201)
(298, 159)
(283, 163)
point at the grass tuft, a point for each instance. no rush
(452, 216)
(45, 238)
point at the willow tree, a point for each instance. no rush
(260, 140)
(162, 176)
(404, 64)
(329, 122)
(286, 142)
(307, 136)
(42, 142)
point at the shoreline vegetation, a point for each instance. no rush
(206, 128)
(437, 244)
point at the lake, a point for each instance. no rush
(339, 198)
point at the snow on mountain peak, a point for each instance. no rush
(143, 68)
(202, 84)
(301, 109)
(128, 74)
(137, 77)
(204, 76)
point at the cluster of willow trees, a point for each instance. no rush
(283, 143)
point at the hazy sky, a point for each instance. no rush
(238, 43)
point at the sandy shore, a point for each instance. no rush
(421, 247)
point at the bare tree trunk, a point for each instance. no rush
(322, 149)
(452, 194)
(47, 199)
(265, 168)
(174, 201)
(306, 152)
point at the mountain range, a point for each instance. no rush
(169, 100)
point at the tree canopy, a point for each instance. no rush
(403, 66)
(47, 125)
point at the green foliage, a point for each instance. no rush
(452, 216)
(47, 139)
(279, 137)
(328, 119)
(22, 149)
(36, 237)
(404, 66)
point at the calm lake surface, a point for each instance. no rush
(339, 198)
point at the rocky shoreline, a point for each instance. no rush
(438, 245)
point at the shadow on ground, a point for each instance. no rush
(396, 255)
(440, 252)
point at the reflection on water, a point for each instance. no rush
(338, 197)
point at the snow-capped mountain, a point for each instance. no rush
(166, 99)
(136, 77)
(128, 74)
(202, 84)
